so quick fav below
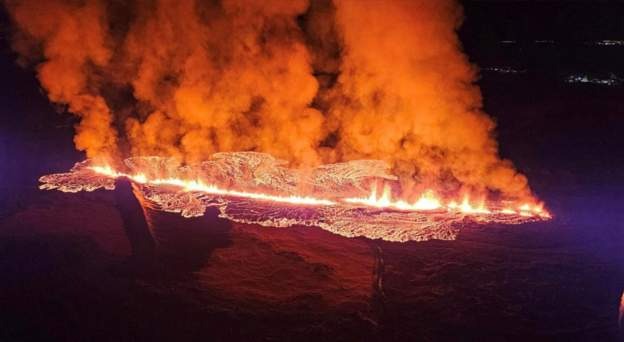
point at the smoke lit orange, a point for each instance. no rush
(186, 79)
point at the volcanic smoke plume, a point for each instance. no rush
(310, 82)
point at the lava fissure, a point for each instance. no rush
(340, 203)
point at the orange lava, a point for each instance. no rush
(199, 186)
(428, 201)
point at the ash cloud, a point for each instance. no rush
(310, 82)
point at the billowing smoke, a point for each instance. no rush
(71, 42)
(308, 81)
(405, 93)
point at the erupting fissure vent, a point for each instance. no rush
(351, 199)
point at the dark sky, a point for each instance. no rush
(557, 20)
(571, 26)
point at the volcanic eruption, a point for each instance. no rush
(359, 117)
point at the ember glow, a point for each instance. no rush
(273, 196)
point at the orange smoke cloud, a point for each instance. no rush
(72, 40)
(226, 78)
(309, 82)
(405, 94)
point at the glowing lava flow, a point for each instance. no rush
(192, 185)
(427, 201)
(262, 190)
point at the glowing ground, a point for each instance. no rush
(341, 203)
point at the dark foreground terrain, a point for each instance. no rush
(73, 271)
(81, 266)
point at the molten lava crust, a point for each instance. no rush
(255, 188)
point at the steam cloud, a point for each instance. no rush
(308, 81)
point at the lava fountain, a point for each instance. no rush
(350, 199)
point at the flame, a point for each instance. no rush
(538, 209)
(467, 208)
(428, 201)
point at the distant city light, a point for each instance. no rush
(504, 70)
(608, 42)
(612, 80)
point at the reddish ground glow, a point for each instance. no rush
(261, 190)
